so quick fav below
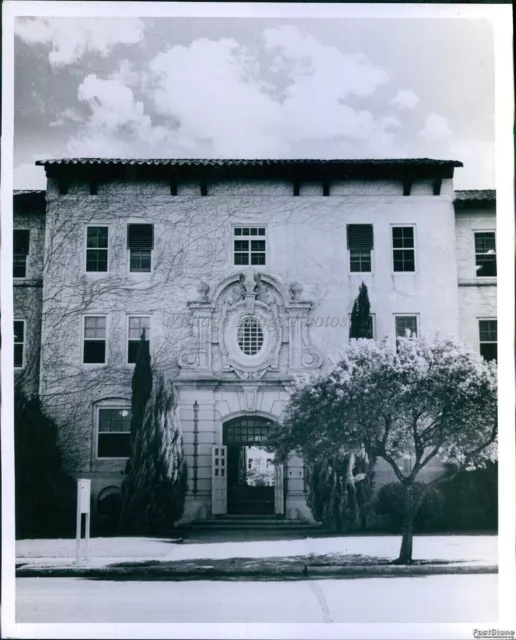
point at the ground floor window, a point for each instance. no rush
(114, 431)
(19, 343)
(488, 330)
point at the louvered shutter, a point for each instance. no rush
(360, 237)
(140, 237)
(21, 241)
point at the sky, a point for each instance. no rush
(254, 88)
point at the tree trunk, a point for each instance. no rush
(405, 556)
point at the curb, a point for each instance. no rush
(162, 571)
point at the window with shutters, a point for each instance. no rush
(488, 334)
(485, 254)
(137, 325)
(19, 344)
(140, 242)
(249, 246)
(97, 249)
(360, 245)
(21, 243)
(94, 344)
(403, 249)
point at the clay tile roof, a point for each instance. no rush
(217, 162)
(475, 195)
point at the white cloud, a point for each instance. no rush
(71, 38)
(405, 99)
(68, 115)
(479, 164)
(117, 121)
(215, 91)
(436, 128)
(28, 176)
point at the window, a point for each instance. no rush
(94, 340)
(140, 242)
(19, 343)
(249, 245)
(114, 432)
(136, 327)
(250, 463)
(250, 336)
(403, 249)
(97, 249)
(21, 241)
(488, 330)
(360, 245)
(485, 254)
(406, 326)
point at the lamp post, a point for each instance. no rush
(195, 446)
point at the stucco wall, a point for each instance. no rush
(306, 242)
(27, 295)
(477, 296)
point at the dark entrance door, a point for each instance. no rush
(250, 467)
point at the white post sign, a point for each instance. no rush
(83, 507)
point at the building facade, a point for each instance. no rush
(243, 275)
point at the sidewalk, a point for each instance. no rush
(353, 556)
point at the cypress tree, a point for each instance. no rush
(361, 324)
(335, 496)
(141, 386)
(159, 472)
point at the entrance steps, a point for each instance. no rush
(253, 523)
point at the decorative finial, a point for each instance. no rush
(295, 289)
(203, 289)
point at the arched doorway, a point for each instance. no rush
(251, 473)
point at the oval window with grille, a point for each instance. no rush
(250, 336)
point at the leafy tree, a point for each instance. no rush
(141, 385)
(44, 494)
(158, 469)
(360, 325)
(334, 495)
(421, 400)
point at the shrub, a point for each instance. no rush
(390, 502)
(336, 497)
(45, 496)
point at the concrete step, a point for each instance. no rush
(251, 524)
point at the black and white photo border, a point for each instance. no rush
(501, 18)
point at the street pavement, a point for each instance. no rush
(451, 598)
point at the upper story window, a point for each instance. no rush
(94, 348)
(485, 254)
(249, 245)
(19, 344)
(406, 326)
(488, 330)
(360, 245)
(140, 242)
(250, 336)
(97, 249)
(21, 243)
(403, 249)
(114, 430)
(137, 324)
